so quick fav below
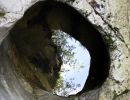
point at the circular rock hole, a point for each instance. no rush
(32, 37)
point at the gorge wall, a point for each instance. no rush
(26, 74)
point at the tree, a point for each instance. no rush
(64, 48)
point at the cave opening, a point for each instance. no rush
(38, 60)
(76, 62)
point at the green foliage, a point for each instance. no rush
(117, 95)
(64, 49)
(114, 95)
(110, 42)
(2, 14)
(64, 87)
(59, 84)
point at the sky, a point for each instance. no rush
(76, 73)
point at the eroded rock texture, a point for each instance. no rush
(24, 76)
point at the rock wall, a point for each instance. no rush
(111, 17)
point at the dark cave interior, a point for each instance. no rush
(32, 38)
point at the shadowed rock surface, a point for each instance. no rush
(29, 56)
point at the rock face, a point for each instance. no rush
(28, 61)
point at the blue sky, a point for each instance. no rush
(79, 74)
